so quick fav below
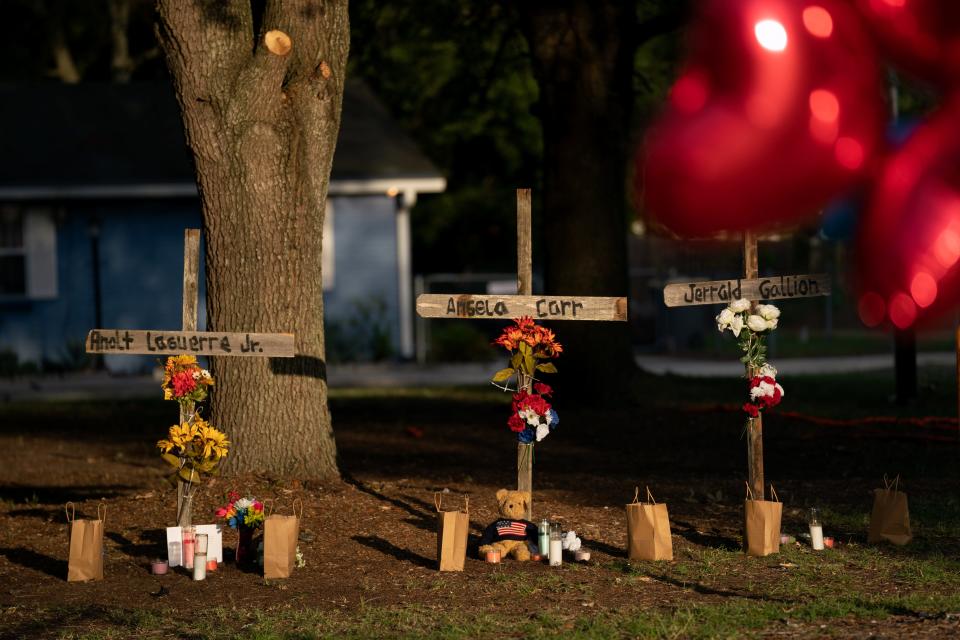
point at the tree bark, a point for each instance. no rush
(262, 125)
(582, 53)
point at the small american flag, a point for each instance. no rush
(511, 528)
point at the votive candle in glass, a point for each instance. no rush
(159, 567)
(200, 566)
(556, 545)
(189, 546)
(816, 531)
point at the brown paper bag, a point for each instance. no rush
(86, 545)
(648, 529)
(452, 528)
(280, 535)
(762, 524)
(890, 520)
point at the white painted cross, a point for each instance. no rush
(508, 307)
(189, 340)
(753, 288)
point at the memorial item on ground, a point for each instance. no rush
(452, 529)
(246, 515)
(648, 529)
(555, 556)
(816, 530)
(762, 524)
(280, 535)
(200, 557)
(85, 556)
(511, 534)
(890, 518)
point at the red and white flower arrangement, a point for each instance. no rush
(751, 324)
(533, 418)
(530, 347)
(765, 392)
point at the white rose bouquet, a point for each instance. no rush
(750, 325)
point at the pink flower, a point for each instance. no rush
(222, 511)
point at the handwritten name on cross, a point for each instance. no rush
(189, 340)
(508, 307)
(753, 288)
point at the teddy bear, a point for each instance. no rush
(510, 533)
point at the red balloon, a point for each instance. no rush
(922, 36)
(780, 107)
(909, 239)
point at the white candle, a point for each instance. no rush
(816, 537)
(556, 553)
(200, 566)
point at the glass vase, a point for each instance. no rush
(244, 553)
(184, 505)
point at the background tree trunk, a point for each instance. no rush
(582, 53)
(262, 120)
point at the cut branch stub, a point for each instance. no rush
(278, 42)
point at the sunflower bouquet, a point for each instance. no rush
(194, 449)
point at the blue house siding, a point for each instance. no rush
(141, 267)
(365, 263)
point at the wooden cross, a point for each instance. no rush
(189, 340)
(508, 307)
(753, 288)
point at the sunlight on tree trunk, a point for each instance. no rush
(262, 113)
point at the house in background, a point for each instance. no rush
(97, 186)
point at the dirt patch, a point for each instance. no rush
(369, 540)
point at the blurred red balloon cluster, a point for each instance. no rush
(781, 107)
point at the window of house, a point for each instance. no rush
(28, 253)
(13, 254)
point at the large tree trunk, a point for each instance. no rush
(582, 54)
(262, 113)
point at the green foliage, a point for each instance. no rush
(458, 342)
(457, 77)
(362, 336)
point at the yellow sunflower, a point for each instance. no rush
(215, 443)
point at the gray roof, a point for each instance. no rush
(96, 135)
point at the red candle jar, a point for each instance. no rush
(493, 557)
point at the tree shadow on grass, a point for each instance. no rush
(422, 519)
(714, 541)
(603, 547)
(33, 494)
(152, 548)
(390, 549)
(37, 561)
(711, 591)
